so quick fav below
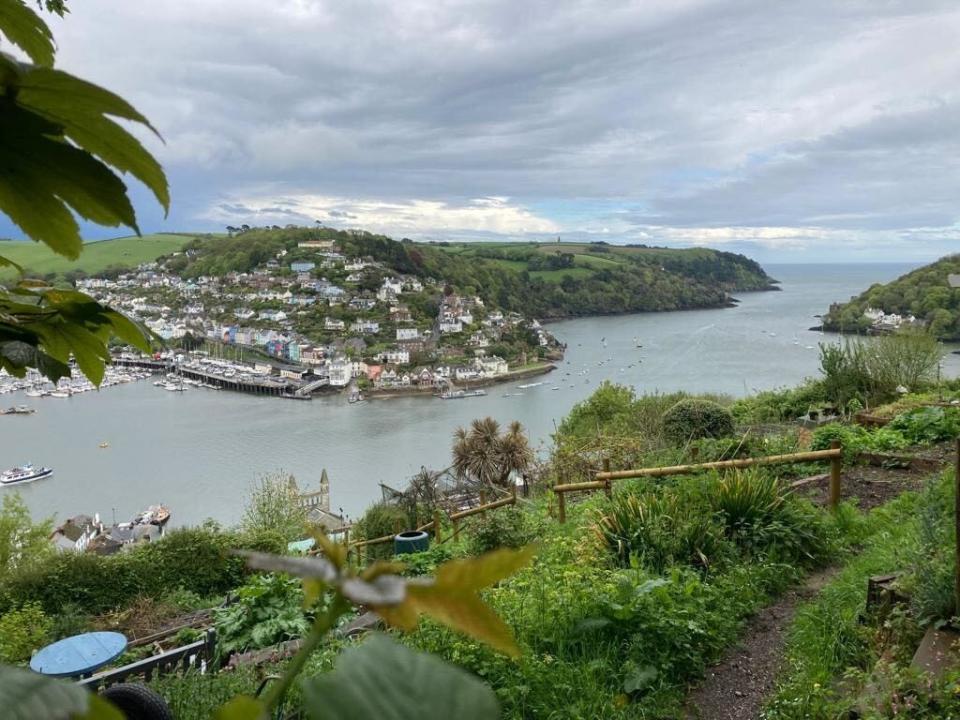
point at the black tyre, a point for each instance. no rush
(138, 702)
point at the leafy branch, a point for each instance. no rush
(61, 150)
(451, 598)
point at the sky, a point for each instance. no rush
(814, 131)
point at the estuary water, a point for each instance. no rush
(198, 452)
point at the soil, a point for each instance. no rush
(738, 687)
(866, 485)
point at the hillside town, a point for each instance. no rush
(320, 318)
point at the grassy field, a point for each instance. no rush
(37, 259)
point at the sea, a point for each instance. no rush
(200, 452)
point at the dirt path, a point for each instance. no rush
(738, 687)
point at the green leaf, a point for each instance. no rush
(81, 109)
(479, 572)
(7, 262)
(242, 707)
(24, 28)
(466, 612)
(40, 172)
(640, 679)
(452, 598)
(26, 695)
(382, 680)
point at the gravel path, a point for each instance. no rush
(738, 687)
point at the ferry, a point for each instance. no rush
(24, 474)
(459, 394)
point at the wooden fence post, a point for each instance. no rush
(836, 467)
(562, 507)
(956, 520)
(606, 468)
(436, 525)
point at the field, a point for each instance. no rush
(37, 259)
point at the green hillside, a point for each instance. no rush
(923, 293)
(544, 280)
(39, 260)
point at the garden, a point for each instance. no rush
(615, 608)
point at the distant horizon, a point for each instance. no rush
(767, 260)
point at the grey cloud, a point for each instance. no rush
(704, 113)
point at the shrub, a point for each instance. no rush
(691, 418)
(69, 620)
(381, 519)
(196, 559)
(745, 498)
(23, 631)
(928, 425)
(508, 527)
(763, 521)
(274, 507)
(659, 529)
(269, 609)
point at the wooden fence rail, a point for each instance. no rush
(435, 525)
(604, 479)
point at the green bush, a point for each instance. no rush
(22, 632)
(928, 425)
(268, 610)
(381, 519)
(764, 521)
(509, 527)
(196, 559)
(772, 406)
(659, 529)
(692, 418)
(855, 439)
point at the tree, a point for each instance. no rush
(21, 540)
(485, 456)
(60, 151)
(274, 507)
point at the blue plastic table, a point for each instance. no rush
(79, 655)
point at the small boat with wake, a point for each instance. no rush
(24, 474)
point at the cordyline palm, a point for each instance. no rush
(488, 457)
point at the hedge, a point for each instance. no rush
(196, 559)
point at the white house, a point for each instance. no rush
(365, 327)
(450, 326)
(492, 366)
(408, 334)
(332, 324)
(397, 357)
(341, 372)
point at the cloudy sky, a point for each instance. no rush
(797, 131)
